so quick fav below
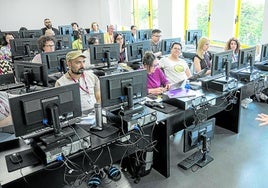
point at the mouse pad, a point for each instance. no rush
(28, 159)
(168, 108)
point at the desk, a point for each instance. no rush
(167, 125)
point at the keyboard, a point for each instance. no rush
(11, 86)
(191, 160)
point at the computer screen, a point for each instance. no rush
(30, 33)
(104, 53)
(264, 52)
(246, 57)
(222, 63)
(24, 47)
(192, 36)
(65, 30)
(126, 35)
(123, 89)
(55, 61)
(63, 42)
(46, 108)
(193, 134)
(144, 34)
(136, 50)
(31, 73)
(85, 38)
(8, 78)
(166, 44)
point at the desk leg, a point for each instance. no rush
(162, 155)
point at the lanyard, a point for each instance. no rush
(84, 89)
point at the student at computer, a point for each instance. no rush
(157, 83)
(233, 44)
(77, 44)
(134, 37)
(90, 41)
(88, 82)
(109, 35)
(176, 69)
(48, 25)
(95, 28)
(45, 44)
(156, 42)
(263, 118)
(119, 38)
(202, 58)
(6, 48)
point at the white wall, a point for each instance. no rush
(264, 38)
(31, 13)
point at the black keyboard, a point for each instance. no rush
(191, 160)
(11, 86)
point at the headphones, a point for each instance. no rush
(113, 173)
(96, 177)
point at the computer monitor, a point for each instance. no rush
(144, 34)
(264, 52)
(24, 47)
(222, 63)
(30, 33)
(192, 37)
(246, 57)
(65, 30)
(124, 90)
(45, 108)
(55, 61)
(63, 42)
(104, 53)
(31, 73)
(85, 38)
(197, 135)
(166, 44)
(126, 35)
(135, 51)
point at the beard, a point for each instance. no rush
(80, 71)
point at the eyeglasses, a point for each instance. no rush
(157, 35)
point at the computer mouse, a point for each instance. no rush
(159, 105)
(15, 158)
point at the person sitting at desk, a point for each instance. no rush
(202, 58)
(90, 41)
(88, 82)
(48, 25)
(77, 44)
(119, 38)
(233, 44)
(6, 48)
(175, 69)
(156, 80)
(134, 37)
(95, 28)
(109, 35)
(45, 44)
(155, 41)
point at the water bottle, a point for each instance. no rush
(98, 116)
(187, 85)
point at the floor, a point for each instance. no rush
(240, 160)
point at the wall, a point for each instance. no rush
(264, 38)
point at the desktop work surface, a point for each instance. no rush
(219, 105)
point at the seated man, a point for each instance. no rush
(89, 83)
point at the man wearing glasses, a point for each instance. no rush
(156, 43)
(48, 26)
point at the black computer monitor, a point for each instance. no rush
(65, 30)
(24, 47)
(144, 34)
(45, 108)
(135, 51)
(192, 36)
(104, 53)
(85, 38)
(55, 61)
(124, 90)
(63, 42)
(126, 35)
(264, 52)
(197, 135)
(246, 57)
(166, 44)
(31, 73)
(30, 33)
(222, 63)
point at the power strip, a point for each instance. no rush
(124, 138)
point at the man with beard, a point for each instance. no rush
(48, 26)
(88, 82)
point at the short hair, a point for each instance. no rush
(174, 43)
(93, 24)
(132, 27)
(74, 23)
(148, 58)
(92, 40)
(154, 31)
(42, 41)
